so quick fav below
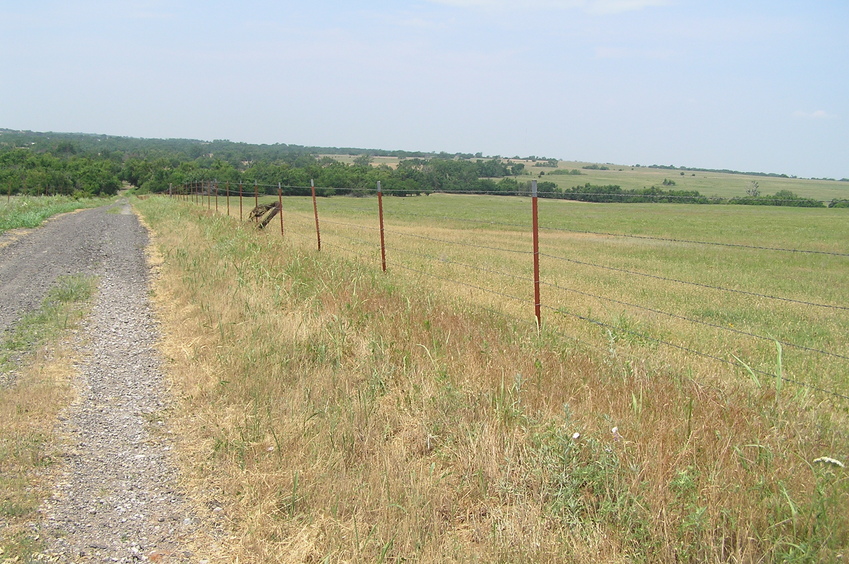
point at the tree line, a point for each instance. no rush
(87, 165)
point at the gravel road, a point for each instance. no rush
(117, 498)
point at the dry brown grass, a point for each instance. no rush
(28, 446)
(337, 414)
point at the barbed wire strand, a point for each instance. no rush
(459, 243)
(697, 321)
(690, 350)
(609, 327)
(623, 303)
(611, 234)
(698, 284)
(695, 242)
(601, 233)
(612, 300)
(469, 266)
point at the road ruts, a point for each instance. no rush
(116, 498)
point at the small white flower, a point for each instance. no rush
(616, 435)
(576, 436)
(829, 460)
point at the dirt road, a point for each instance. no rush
(117, 498)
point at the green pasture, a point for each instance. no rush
(818, 229)
(721, 184)
(717, 273)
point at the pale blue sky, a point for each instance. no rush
(756, 86)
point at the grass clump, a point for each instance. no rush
(29, 404)
(336, 413)
(29, 212)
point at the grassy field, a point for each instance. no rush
(629, 177)
(707, 183)
(727, 282)
(342, 414)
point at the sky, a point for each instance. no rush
(743, 85)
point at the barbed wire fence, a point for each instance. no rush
(371, 238)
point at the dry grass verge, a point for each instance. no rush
(332, 413)
(40, 362)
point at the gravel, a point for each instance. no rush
(117, 498)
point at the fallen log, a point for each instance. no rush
(264, 213)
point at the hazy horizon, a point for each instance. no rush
(755, 86)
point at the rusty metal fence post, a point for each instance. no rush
(537, 300)
(216, 195)
(280, 207)
(227, 193)
(380, 214)
(315, 213)
(240, 200)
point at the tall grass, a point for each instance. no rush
(28, 212)
(335, 413)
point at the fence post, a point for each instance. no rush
(216, 195)
(227, 194)
(380, 214)
(280, 205)
(240, 200)
(208, 195)
(315, 212)
(537, 301)
(256, 194)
